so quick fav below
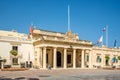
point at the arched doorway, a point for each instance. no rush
(58, 59)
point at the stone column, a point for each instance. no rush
(65, 58)
(44, 58)
(83, 60)
(103, 60)
(111, 61)
(54, 58)
(40, 57)
(90, 59)
(74, 58)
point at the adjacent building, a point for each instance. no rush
(12, 40)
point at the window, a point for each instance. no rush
(15, 60)
(98, 59)
(68, 59)
(15, 48)
(87, 58)
(114, 59)
(47, 58)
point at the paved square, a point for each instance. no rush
(61, 74)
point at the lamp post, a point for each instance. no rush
(71, 46)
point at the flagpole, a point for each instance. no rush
(106, 36)
(29, 59)
(68, 18)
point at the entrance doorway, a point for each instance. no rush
(58, 59)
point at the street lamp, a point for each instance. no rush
(71, 46)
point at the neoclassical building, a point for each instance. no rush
(66, 50)
(42, 49)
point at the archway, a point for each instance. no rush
(58, 59)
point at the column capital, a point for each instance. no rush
(82, 49)
(40, 47)
(74, 48)
(65, 48)
(89, 49)
(44, 47)
(54, 47)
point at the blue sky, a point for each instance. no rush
(88, 17)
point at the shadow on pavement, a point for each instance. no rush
(19, 78)
(6, 79)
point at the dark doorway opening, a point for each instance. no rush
(0, 64)
(58, 59)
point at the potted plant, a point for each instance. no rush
(4, 61)
(118, 57)
(15, 57)
(14, 52)
(119, 60)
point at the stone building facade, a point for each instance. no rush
(42, 49)
(66, 50)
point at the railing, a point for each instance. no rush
(52, 33)
(106, 48)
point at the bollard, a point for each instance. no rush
(49, 67)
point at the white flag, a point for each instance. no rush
(100, 40)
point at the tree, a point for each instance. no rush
(107, 57)
(118, 57)
(14, 52)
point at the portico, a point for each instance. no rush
(61, 50)
(61, 57)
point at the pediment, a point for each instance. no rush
(70, 34)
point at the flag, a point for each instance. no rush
(104, 29)
(115, 43)
(31, 30)
(100, 40)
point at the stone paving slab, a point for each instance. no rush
(61, 74)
